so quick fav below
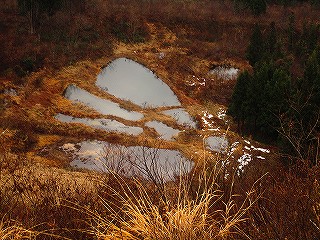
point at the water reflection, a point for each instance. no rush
(151, 163)
(101, 123)
(181, 116)
(103, 106)
(165, 132)
(129, 80)
(217, 144)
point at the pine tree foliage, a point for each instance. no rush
(255, 49)
(274, 106)
(240, 99)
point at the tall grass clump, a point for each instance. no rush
(14, 231)
(191, 207)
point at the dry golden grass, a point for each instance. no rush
(191, 208)
(11, 230)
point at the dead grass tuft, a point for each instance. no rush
(11, 230)
(191, 208)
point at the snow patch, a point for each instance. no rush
(221, 113)
(260, 149)
(243, 161)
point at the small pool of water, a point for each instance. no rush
(103, 106)
(182, 117)
(224, 72)
(217, 143)
(129, 80)
(165, 132)
(101, 123)
(150, 163)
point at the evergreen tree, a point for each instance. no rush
(310, 87)
(300, 125)
(238, 108)
(255, 50)
(269, 104)
(273, 46)
(259, 97)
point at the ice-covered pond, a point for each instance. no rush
(150, 163)
(129, 80)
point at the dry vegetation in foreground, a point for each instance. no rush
(10, 230)
(53, 203)
(60, 204)
(42, 202)
(184, 211)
